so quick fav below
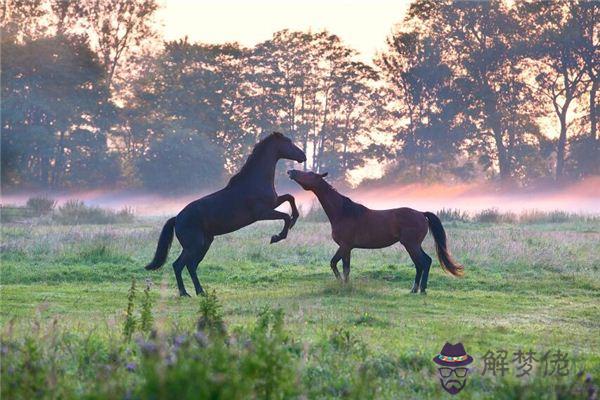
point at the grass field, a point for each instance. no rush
(527, 286)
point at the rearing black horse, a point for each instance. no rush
(248, 197)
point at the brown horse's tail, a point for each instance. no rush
(439, 235)
(164, 244)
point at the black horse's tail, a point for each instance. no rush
(439, 235)
(164, 244)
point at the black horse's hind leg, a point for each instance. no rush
(426, 260)
(270, 215)
(289, 198)
(415, 254)
(194, 259)
(178, 266)
(333, 263)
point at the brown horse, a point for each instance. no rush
(356, 226)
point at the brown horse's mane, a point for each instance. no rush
(256, 152)
(350, 208)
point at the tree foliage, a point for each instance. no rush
(461, 90)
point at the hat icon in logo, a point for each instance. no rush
(452, 361)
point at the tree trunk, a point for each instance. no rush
(560, 149)
(503, 162)
(594, 123)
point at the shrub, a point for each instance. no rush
(492, 215)
(130, 323)
(12, 213)
(211, 318)
(75, 212)
(95, 253)
(146, 317)
(40, 205)
(453, 214)
(556, 216)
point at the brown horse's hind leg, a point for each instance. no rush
(346, 264)
(415, 255)
(333, 264)
(426, 260)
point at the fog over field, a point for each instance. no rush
(581, 197)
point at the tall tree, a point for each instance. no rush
(55, 115)
(188, 99)
(118, 27)
(586, 17)
(310, 85)
(560, 73)
(21, 20)
(478, 40)
(420, 98)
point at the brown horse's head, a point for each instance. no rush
(286, 148)
(308, 180)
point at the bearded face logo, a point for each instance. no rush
(452, 369)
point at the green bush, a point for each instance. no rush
(453, 214)
(41, 205)
(11, 213)
(553, 217)
(492, 215)
(75, 212)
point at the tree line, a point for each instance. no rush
(92, 97)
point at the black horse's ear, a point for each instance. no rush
(278, 134)
(323, 175)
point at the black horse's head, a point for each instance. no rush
(286, 149)
(308, 180)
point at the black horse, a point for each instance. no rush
(248, 197)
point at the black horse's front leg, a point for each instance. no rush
(272, 215)
(289, 198)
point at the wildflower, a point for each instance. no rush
(201, 339)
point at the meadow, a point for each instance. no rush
(286, 328)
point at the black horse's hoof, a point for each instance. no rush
(423, 292)
(275, 239)
(185, 294)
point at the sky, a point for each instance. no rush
(363, 25)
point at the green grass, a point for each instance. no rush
(527, 286)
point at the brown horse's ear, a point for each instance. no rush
(323, 175)
(278, 134)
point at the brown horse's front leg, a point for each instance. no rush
(272, 215)
(289, 198)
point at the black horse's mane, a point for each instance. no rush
(256, 152)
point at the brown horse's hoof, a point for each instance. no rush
(423, 292)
